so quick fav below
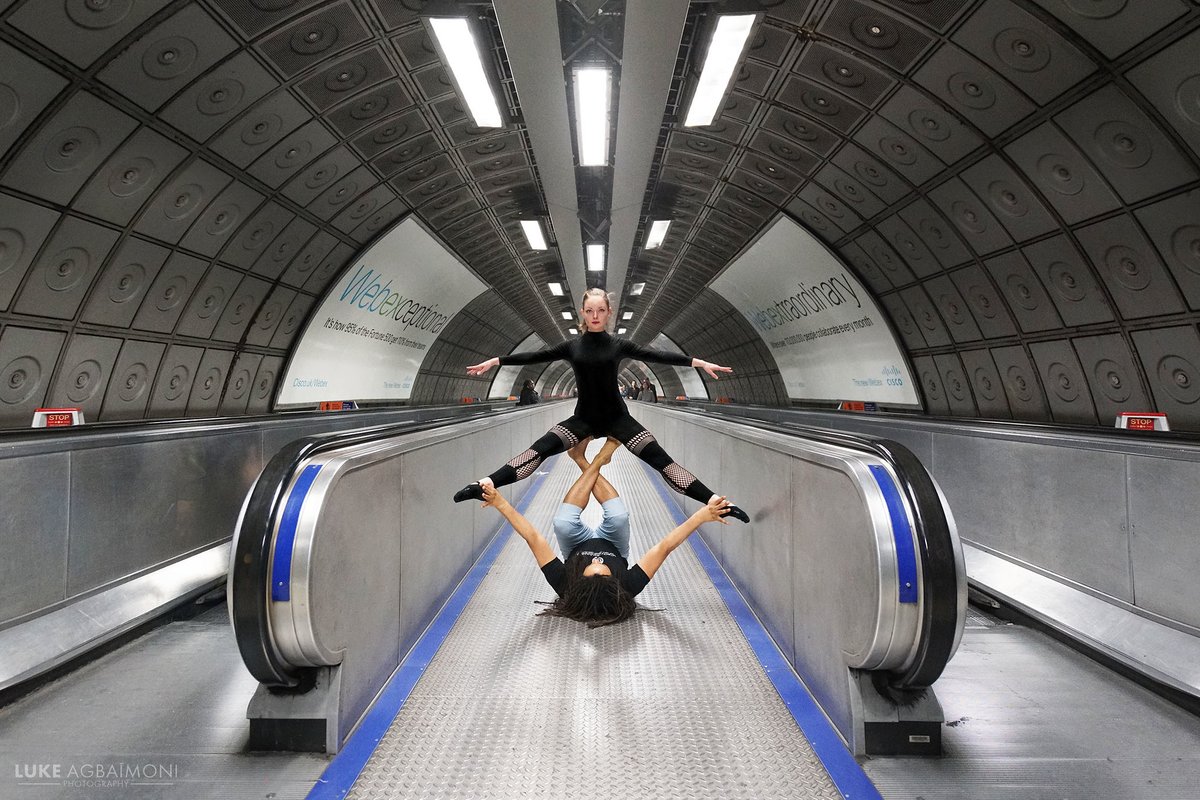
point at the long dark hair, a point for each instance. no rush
(597, 600)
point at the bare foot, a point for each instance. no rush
(578, 453)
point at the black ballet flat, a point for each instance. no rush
(735, 512)
(472, 491)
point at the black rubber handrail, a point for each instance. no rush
(939, 573)
(250, 576)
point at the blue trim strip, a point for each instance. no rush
(281, 564)
(337, 779)
(906, 556)
(847, 776)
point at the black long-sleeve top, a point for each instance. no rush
(595, 358)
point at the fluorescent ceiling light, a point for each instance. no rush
(573, 331)
(461, 54)
(658, 232)
(724, 53)
(595, 258)
(533, 234)
(627, 315)
(591, 115)
(620, 331)
(568, 315)
(637, 289)
(555, 289)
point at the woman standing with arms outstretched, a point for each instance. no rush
(595, 357)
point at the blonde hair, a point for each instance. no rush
(596, 291)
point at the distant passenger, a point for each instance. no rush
(529, 395)
(649, 391)
(593, 579)
(595, 358)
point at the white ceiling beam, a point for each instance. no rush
(653, 31)
(531, 40)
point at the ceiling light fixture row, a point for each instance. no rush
(457, 44)
(726, 49)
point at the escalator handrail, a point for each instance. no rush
(939, 574)
(251, 559)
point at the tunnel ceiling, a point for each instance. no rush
(1018, 181)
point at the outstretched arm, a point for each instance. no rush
(655, 556)
(533, 357)
(632, 350)
(542, 552)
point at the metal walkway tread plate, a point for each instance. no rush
(672, 703)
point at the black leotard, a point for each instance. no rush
(595, 358)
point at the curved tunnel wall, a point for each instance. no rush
(1018, 181)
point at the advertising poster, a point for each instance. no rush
(375, 326)
(828, 337)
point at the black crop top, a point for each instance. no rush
(633, 579)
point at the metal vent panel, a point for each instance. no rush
(255, 236)
(176, 373)
(68, 148)
(926, 316)
(318, 177)
(134, 173)
(292, 153)
(370, 107)
(970, 217)
(28, 358)
(24, 99)
(986, 385)
(210, 379)
(132, 381)
(211, 102)
(1025, 396)
(270, 316)
(59, 280)
(202, 313)
(1130, 268)
(284, 248)
(241, 383)
(940, 237)
(930, 381)
(955, 385)
(240, 310)
(213, 229)
(1170, 358)
(1174, 228)
(1070, 280)
(313, 38)
(164, 60)
(182, 201)
(23, 228)
(83, 372)
(128, 276)
(1111, 373)
(1024, 293)
(1066, 388)
(1012, 200)
(987, 307)
(930, 124)
(1023, 49)
(953, 309)
(260, 128)
(1062, 174)
(1133, 154)
(170, 293)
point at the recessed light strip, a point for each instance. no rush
(658, 232)
(595, 258)
(724, 53)
(459, 49)
(533, 234)
(591, 115)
